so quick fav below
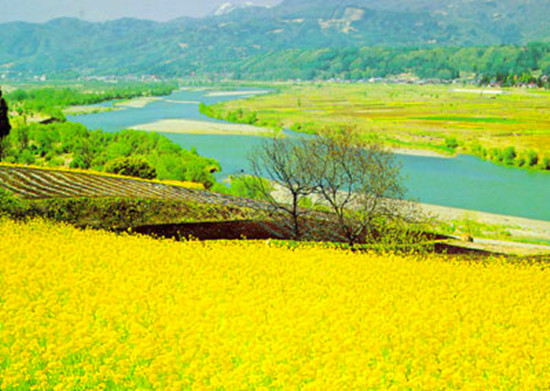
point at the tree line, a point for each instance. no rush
(51, 100)
(507, 64)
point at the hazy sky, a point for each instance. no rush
(99, 10)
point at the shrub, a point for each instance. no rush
(26, 157)
(451, 142)
(532, 158)
(200, 174)
(131, 166)
(244, 186)
(509, 155)
(495, 154)
(12, 205)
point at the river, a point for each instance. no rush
(465, 181)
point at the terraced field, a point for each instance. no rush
(42, 183)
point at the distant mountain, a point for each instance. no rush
(237, 33)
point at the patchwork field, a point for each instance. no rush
(93, 310)
(425, 117)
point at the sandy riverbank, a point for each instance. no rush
(202, 127)
(82, 110)
(478, 91)
(519, 227)
(182, 102)
(420, 152)
(138, 103)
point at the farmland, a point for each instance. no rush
(446, 119)
(101, 200)
(38, 182)
(89, 309)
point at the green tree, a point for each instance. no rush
(134, 166)
(509, 155)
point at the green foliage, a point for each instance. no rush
(509, 156)
(66, 143)
(451, 143)
(52, 100)
(247, 187)
(506, 65)
(532, 158)
(238, 116)
(12, 205)
(134, 166)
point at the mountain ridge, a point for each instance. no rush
(183, 45)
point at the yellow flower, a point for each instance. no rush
(93, 309)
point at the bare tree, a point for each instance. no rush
(286, 163)
(359, 181)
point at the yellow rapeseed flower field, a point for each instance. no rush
(89, 309)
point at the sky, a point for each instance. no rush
(39, 11)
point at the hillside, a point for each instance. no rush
(99, 200)
(166, 209)
(89, 309)
(70, 47)
(35, 183)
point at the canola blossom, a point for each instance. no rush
(89, 309)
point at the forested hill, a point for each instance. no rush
(227, 41)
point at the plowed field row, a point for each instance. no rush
(38, 183)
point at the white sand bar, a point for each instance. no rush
(202, 127)
(419, 152)
(138, 103)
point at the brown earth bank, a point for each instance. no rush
(216, 230)
(266, 230)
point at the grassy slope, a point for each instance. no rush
(412, 116)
